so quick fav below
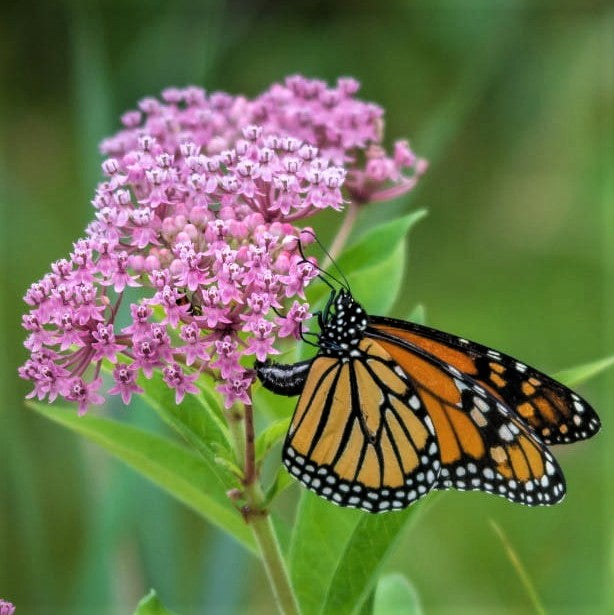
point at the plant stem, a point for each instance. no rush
(274, 564)
(241, 422)
(344, 230)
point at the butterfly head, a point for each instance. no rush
(343, 324)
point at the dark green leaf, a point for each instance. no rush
(185, 475)
(395, 595)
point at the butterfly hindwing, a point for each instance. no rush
(482, 444)
(554, 412)
(360, 436)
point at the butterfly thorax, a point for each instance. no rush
(343, 324)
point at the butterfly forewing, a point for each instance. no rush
(360, 435)
(482, 444)
(554, 412)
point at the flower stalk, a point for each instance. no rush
(255, 513)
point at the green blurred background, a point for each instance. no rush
(508, 100)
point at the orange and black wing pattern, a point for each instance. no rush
(389, 410)
(360, 435)
(482, 444)
(554, 412)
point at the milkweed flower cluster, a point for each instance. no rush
(346, 129)
(198, 213)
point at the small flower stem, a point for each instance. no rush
(241, 423)
(250, 451)
(344, 230)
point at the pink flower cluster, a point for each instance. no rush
(347, 130)
(197, 212)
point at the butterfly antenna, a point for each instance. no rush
(302, 335)
(343, 283)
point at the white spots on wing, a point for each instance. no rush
(429, 425)
(460, 385)
(399, 372)
(488, 473)
(481, 404)
(454, 371)
(478, 418)
(414, 402)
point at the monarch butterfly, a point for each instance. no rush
(390, 410)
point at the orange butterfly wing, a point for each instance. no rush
(360, 436)
(554, 412)
(482, 444)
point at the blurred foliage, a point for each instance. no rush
(508, 100)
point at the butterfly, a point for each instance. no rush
(390, 410)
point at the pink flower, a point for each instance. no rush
(124, 377)
(6, 607)
(105, 346)
(291, 324)
(84, 393)
(197, 213)
(183, 383)
(236, 390)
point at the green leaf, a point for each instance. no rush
(376, 256)
(379, 243)
(270, 436)
(418, 314)
(577, 375)
(377, 287)
(282, 481)
(321, 532)
(151, 605)
(360, 564)
(395, 595)
(187, 476)
(198, 418)
(277, 407)
(336, 554)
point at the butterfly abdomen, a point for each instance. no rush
(282, 379)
